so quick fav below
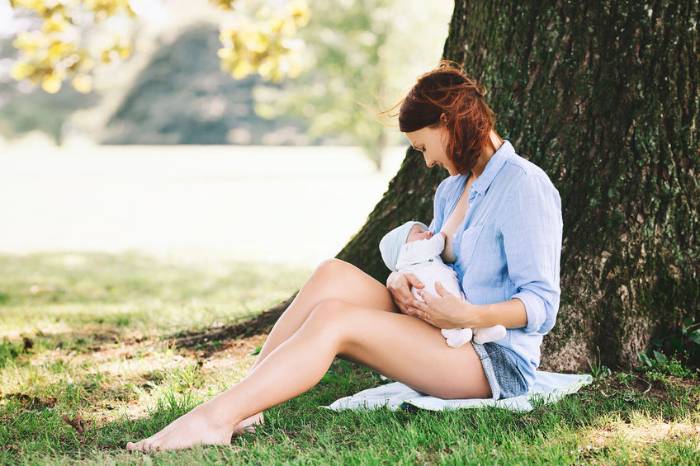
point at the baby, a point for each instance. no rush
(412, 248)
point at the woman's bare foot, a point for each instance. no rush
(200, 426)
(248, 424)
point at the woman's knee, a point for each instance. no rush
(329, 315)
(333, 267)
(336, 278)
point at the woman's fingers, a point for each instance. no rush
(400, 288)
(420, 305)
(405, 306)
(421, 314)
(403, 292)
(413, 280)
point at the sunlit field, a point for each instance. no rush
(287, 205)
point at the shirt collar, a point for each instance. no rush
(493, 166)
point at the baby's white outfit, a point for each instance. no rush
(422, 258)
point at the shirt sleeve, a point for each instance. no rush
(532, 237)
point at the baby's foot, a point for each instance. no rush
(248, 424)
(198, 427)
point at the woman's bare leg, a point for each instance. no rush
(333, 278)
(398, 346)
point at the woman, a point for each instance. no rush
(502, 218)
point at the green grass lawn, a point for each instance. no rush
(88, 362)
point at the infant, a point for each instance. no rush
(412, 248)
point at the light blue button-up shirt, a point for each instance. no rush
(508, 245)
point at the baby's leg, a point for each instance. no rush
(487, 334)
(456, 337)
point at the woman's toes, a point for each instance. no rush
(131, 446)
(138, 446)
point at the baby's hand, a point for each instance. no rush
(427, 234)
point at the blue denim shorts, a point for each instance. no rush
(501, 369)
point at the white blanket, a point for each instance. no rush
(549, 387)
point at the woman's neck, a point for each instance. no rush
(487, 152)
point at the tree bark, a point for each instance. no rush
(602, 96)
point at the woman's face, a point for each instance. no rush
(432, 143)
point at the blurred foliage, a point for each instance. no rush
(346, 41)
(23, 110)
(57, 50)
(264, 42)
(257, 38)
(365, 54)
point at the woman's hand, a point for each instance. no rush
(446, 310)
(399, 285)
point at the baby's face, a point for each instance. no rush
(417, 233)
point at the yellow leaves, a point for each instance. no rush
(28, 42)
(265, 43)
(103, 9)
(57, 50)
(51, 83)
(21, 70)
(53, 53)
(55, 23)
(36, 5)
(300, 12)
(256, 41)
(241, 69)
(224, 4)
(118, 51)
(82, 83)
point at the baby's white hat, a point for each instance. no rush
(390, 244)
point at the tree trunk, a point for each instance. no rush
(603, 96)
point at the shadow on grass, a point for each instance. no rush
(209, 341)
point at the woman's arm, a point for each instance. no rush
(532, 241)
(510, 314)
(447, 310)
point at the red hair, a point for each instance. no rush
(447, 89)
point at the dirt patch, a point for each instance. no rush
(30, 403)
(237, 353)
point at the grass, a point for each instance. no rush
(87, 363)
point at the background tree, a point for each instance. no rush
(604, 97)
(181, 96)
(358, 54)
